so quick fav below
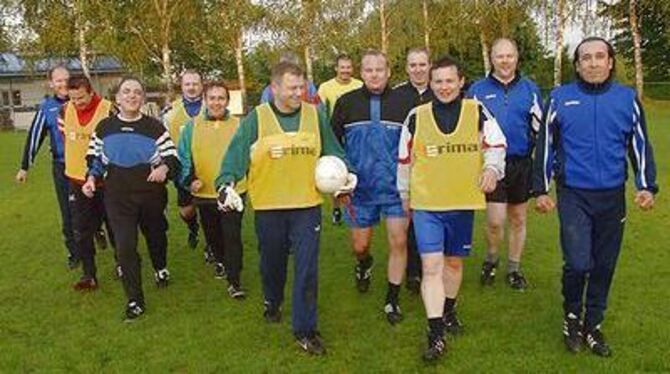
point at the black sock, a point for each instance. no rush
(436, 326)
(449, 305)
(365, 261)
(393, 293)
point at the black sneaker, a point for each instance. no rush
(517, 281)
(236, 292)
(162, 278)
(413, 285)
(596, 342)
(73, 262)
(219, 271)
(363, 274)
(336, 216)
(193, 239)
(393, 313)
(272, 313)
(209, 256)
(133, 311)
(451, 324)
(101, 239)
(437, 346)
(311, 343)
(572, 333)
(488, 273)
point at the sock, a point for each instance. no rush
(365, 261)
(436, 326)
(392, 294)
(449, 305)
(491, 258)
(513, 266)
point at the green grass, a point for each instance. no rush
(194, 327)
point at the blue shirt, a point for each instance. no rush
(45, 122)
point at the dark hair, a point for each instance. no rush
(79, 81)
(282, 68)
(342, 57)
(610, 51)
(51, 71)
(445, 62)
(213, 84)
(128, 79)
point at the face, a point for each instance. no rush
(505, 60)
(58, 82)
(594, 64)
(446, 84)
(344, 70)
(80, 97)
(375, 73)
(191, 86)
(130, 97)
(418, 68)
(216, 100)
(288, 92)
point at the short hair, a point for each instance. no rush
(610, 51)
(503, 40)
(289, 57)
(374, 53)
(190, 72)
(284, 67)
(51, 71)
(343, 57)
(79, 81)
(216, 84)
(128, 79)
(445, 62)
(417, 50)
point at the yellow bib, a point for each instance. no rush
(77, 138)
(281, 174)
(209, 144)
(446, 168)
(177, 117)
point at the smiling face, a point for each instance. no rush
(288, 92)
(130, 97)
(505, 60)
(191, 86)
(80, 97)
(446, 84)
(216, 100)
(344, 70)
(594, 64)
(418, 68)
(375, 73)
(58, 82)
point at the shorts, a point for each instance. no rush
(515, 187)
(184, 197)
(446, 232)
(362, 216)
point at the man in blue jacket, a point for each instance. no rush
(589, 127)
(514, 101)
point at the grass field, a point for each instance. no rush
(193, 326)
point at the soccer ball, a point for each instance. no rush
(330, 174)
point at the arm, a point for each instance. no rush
(96, 168)
(34, 141)
(545, 150)
(186, 174)
(235, 164)
(405, 155)
(493, 141)
(168, 155)
(642, 159)
(337, 121)
(329, 144)
(536, 111)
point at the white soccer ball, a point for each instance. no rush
(330, 174)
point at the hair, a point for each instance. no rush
(284, 67)
(190, 72)
(343, 57)
(79, 81)
(374, 53)
(128, 79)
(417, 50)
(610, 51)
(289, 57)
(214, 84)
(445, 62)
(51, 71)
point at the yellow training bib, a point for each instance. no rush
(77, 138)
(281, 174)
(177, 117)
(446, 168)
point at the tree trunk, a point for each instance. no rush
(426, 26)
(308, 64)
(383, 26)
(485, 52)
(239, 54)
(637, 47)
(559, 19)
(80, 27)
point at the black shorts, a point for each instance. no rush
(184, 197)
(515, 187)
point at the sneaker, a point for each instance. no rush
(162, 278)
(393, 313)
(101, 239)
(236, 292)
(193, 239)
(272, 314)
(488, 273)
(219, 271)
(437, 346)
(336, 216)
(572, 333)
(133, 311)
(413, 285)
(209, 256)
(86, 284)
(311, 343)
(517, 281)
(596, 342)
(451, 324)
(73, 262)
(119, 272)
(363, 274)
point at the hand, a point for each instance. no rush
(405, 206)
(349, 186)
(196, 185)
(158, 174)
(229, 199)
(544, 204)
(488, 180)
(644, 199)
(22, 176)
(88, 189)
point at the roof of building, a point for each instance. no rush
(12, 65)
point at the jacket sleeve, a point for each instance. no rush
(405, 155)
(96, 167)
(494, 143)
(545, 150)
(186, 172)
(235, 164)
(168, 153)
(35, 138)
(641, 153)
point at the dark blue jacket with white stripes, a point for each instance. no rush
(585, 135)
(45, 122)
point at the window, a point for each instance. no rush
(5, 98)
(16, 98)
